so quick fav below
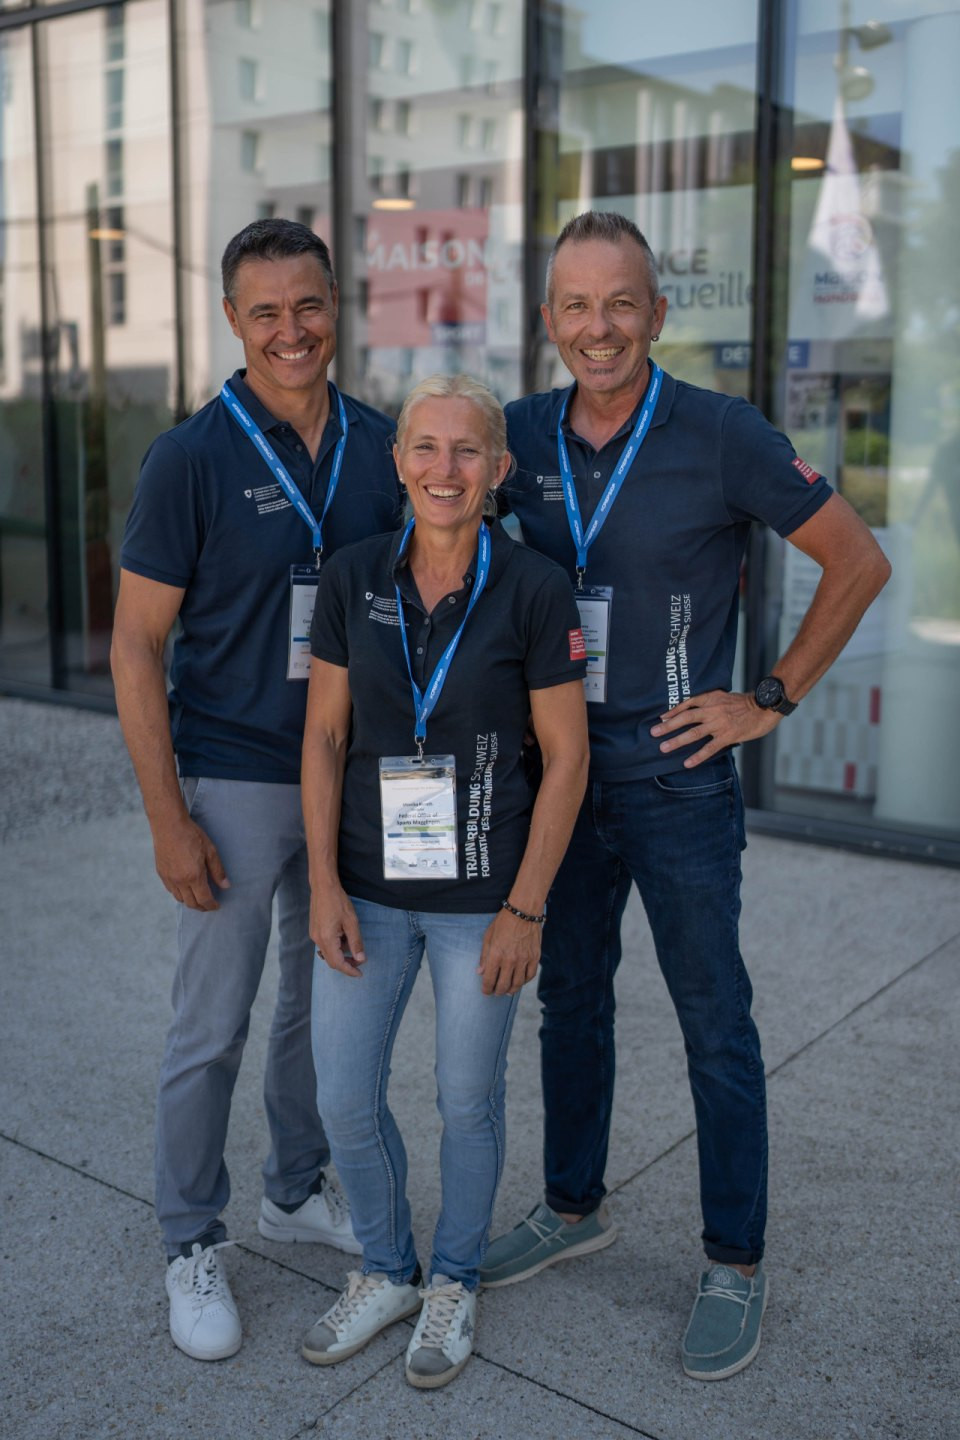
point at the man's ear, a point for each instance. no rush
(231, 315)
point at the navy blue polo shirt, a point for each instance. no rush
(209, 516)
(522, 635)
(671, 546)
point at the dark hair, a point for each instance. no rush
(602, 225)
(272, 240)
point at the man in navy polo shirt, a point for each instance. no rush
(644, 488)
(232, 514)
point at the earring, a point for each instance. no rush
(656, 338)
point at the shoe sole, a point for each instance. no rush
(283, 1236)
(569, 1252)
(434, 1382)
(740, 1364)
(195, 1354)
(324, 1357)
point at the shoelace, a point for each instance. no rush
(359, 1287)
(439, 1310)
(719, 1292)
(542, 1231)
(202, 1274)
(337, 1202)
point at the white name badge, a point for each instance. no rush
(418, 808)
(303, 597)
(594, 603)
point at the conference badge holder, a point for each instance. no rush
(595, 603)
(303, 597)
(418, 807)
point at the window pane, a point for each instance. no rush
(440, 187)
(258, 146)
(870, 394)
(110, 293)
(657, 121)
(24, 627)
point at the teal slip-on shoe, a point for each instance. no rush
(542, 1239)
(724, 1331)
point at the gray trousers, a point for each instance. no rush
(258, 830)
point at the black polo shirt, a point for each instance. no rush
(522, 635)
(671, 546)
(209, 516)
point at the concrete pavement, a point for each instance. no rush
(854, 961)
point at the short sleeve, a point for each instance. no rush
(762, 475)
(556, 652)
(165, 528)
(328, 629)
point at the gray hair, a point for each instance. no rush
(272, 240)
(461, 387)
(603, 225)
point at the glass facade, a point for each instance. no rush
(795, 166)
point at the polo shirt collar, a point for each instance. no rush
(500, 551)
(256, 409)
(668, 390)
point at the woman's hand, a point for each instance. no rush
(510, 955)
(334, 928)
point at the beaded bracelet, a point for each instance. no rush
(521, 914)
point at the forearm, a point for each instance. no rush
(141, 694)
(321, 787)
(839, 602)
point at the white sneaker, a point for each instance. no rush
(443, 1340)
(368, 1305)
(203, 1315)
(324, 1217)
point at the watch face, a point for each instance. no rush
(769, 692)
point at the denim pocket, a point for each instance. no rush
(190, 787)
(712, 778)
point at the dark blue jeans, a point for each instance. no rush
(678, 837)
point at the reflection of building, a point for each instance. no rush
(439, 144)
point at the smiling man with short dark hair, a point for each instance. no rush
(233, 512)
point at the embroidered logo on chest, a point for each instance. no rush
(383, 609)
(268, 499)
(551, 487)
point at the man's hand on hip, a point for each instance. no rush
(720, 717)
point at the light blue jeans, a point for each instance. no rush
(355, 1024)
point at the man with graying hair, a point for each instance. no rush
(233, 513)
(644, 488)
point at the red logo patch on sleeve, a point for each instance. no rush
(578, 646)
(807, 471)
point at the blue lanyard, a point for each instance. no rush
(582, 540)
(424, 701)
(250, 428)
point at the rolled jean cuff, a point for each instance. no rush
(730, 1255)
(561, 1206)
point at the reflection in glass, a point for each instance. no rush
(109, 293)
(24, 624)
(657, 122)
(871, 397)
(437, 199)
(258, 82)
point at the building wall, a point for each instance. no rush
(463, 133)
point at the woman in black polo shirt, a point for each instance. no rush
(431, 649)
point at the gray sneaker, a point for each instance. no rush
(541, 1240)
(724, 1331)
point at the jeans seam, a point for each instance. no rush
(380, 1098)
(498, 1073)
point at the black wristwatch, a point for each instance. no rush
(770, 695)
